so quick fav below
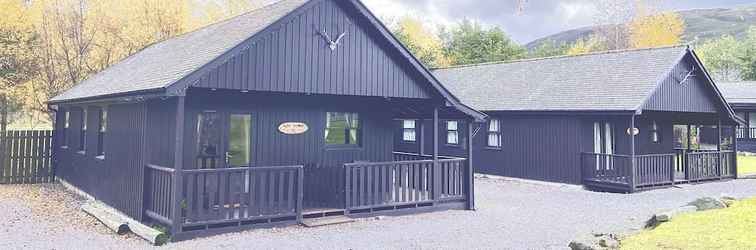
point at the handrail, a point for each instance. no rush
(602, 154)
(368, 164)
(427, 155)
(238, 169)
(161, 168)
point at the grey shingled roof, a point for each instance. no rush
(162, 64)
(609, 81)
(738, 92)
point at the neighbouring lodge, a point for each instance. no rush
(616, 121)
(742, 98)
(278, 115)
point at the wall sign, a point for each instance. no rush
(293, 128)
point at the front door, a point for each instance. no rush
(224, 140)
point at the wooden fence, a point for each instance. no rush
(26, 157)
(388, 185)
(230, 197)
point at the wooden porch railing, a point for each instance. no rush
(615, 171)
(213, 198)
(745, 133)
(375, 185)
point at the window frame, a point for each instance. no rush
(497, 133)
(83, 131)
(348, 127)
(412, 130)
(102, 131)
(449, 132)
(66, 127)
(655, 133)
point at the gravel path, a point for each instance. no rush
(511, 214)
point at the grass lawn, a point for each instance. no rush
(730, 228)
(746, 164)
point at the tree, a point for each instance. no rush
(721, 57)
(17, 61)
(583, 46)
(650, 29)
(748, 56)
(422, 42)
(611, 19)
(549, 49)
(468, 43)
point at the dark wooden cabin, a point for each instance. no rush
(568, 119)
(742, 98)
(277, 115)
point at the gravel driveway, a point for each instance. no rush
(511, 214)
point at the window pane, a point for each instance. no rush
(451, 125)
(354, 137)
(493, 126)
(335, 128)
(208, 140)
(452, 137)
(409, 135)
(239, 144)
(409, 124)
(494, 140)
(752, 120)
(68, 119)
(103, 120)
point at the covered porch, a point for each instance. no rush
(224, 180)
(661, 149)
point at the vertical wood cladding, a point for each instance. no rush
(116, 179)
(692, 95)
(294, 58)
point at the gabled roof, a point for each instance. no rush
(739, 92)
(607, 81)
(173, 63)
(164, 63)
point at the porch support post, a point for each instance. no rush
(421, 139)
(436, 170)
(719, 147)
(735, 150)
(178, 166)
(470, 170)
(632, 153)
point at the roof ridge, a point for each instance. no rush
(560, 57)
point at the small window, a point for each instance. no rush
(101, 131)
(83, 134)
(409, 128)
(494, 133)
(452, 132)
(654, 130)
(66, 125)
(343, 129)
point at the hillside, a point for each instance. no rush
(700, 24)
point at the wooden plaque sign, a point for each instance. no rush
(293, 128)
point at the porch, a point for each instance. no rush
(675, 148)
(215, 201)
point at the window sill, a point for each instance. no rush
(64, 147)
(100, 157)
(452, 145)
(342, 147)
(494, 148)
(409, 142)
(82, 152)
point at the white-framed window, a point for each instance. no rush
(66, 126)
(103, 123)
(83, 132)
(452, 132)
(655, 132)
(343, 129)
(494, 133)
(409, 130)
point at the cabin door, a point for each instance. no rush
(224, 140)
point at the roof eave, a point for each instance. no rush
(116, 97)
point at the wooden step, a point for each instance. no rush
(326, 221)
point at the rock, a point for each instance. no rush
(608, 242)
(595, 242)
(708, 203)
(582, 245)
(667, 215)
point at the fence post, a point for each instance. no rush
(300, 193)
(347, 189)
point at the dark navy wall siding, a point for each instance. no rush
(161, 135)
(117, 179)
(294, 58)
(693, 95)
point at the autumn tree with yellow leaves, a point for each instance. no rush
(48, 46)
(651, 29)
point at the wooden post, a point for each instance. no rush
(421, 139)
(719, 148)
(300, 193)
(686, 166)
(178, 165)
(632, 154)
(735, 150)
(436, 170)
(470, 170)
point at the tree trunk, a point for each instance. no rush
(3, 113)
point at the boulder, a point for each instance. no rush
(708, 203)
(595, 242)
(667, 215)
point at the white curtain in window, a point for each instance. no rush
(452, 136)
(409, 130)
(494, 136)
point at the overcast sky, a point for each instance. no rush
(540, 17)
